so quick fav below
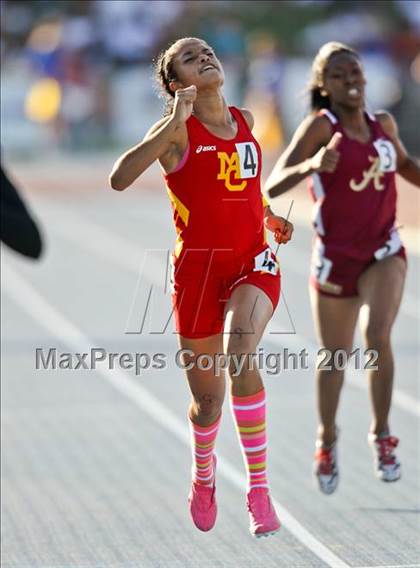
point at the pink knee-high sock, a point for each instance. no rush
(203, 439)
(249, 414)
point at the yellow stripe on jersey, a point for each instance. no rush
(180, 208)
(264, 201)
(179, 243)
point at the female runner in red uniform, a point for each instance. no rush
(358, 258)
(226, 281)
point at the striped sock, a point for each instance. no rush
(203, 439)
(249, 413)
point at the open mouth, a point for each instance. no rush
(207, 68)
(354, 92)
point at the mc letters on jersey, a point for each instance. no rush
(239, 165)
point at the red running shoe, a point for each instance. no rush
(326, 468)
(386, 465)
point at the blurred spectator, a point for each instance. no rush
(77, 75)
(131, 29)
(265, 89)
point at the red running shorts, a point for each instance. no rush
(203, 280)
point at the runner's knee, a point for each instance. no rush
(377, 336)
(206, 405)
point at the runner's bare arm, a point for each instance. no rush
(166, 141)
(281, 228)
(250, 121)
(407, 166)
(160, 142)
(300, 158)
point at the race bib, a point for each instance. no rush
(392, 245)
(321, 265)
(264, 262)
(248, 159)
(387, 155)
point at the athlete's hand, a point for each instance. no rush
(183, 107)
(281, 228)
(326, 159)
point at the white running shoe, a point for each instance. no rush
(325, 467)
(386, 464)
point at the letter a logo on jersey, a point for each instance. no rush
(373, 173)
(230, 170)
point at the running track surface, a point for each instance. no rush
(95, 464)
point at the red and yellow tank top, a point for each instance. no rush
(216, 193)
(355, 206)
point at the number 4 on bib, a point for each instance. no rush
(266, 262)
(248, 159)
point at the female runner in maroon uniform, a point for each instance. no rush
(226, 282)
(358, 258)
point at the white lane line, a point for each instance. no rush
(120, 250)
(108, 245)
(47, 316)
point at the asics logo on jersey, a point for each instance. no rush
(230, 170)
(373, 173)
(205, 149)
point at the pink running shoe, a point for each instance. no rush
(262, 515)
(203, 506)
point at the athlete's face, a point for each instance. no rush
(196, 64)
(344, 81)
